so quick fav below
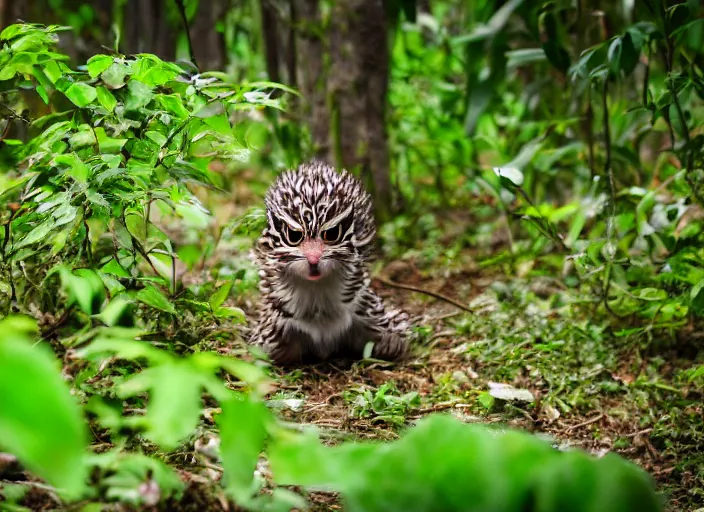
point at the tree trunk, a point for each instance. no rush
(208, 43)
(147, 29)
(11, 11)
(311, 73)
(347, 101)
(270, 35)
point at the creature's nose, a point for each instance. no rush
(313, 251)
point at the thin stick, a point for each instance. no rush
(416, 289)
(596, 418)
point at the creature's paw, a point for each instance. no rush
(284, 354)
(391, 347)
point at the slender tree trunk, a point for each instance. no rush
(270, 32)
(292, 45)
(312, 74)
(345, 87)
(147, 29)
(357, 89)
(208, 43)
(11, 11)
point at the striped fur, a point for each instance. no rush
(337, 315)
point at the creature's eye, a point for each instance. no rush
(332, 235)
(294, 237)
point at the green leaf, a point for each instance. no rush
(479, 100)
(578, 483)
(486, 400)
(157, 137)
(140, 94)
(120, 342)
(242, 433)
(557, 55)
(174, 105)
(152, 296)
(629, 54)
(230, 312)
(106, 99)
(114, 76)
(84, 287)
(174, 400)
(115, 312)
(40, 422)
(614, 55)
(98, 63)
(81, 94)
(576, 227)
(444, 464)
(77, 167)
(38, 234)
(524, 56)
(220, 295)
(696, 290)
(126, 473)
(494, 25)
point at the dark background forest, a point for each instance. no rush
(537, 169)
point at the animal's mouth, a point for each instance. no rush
(313, 272)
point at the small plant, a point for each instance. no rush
(385, 404)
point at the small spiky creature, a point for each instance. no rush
(313, 254)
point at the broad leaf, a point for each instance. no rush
(81, 94)
(152, 296)
(242, 434)
(40, 421)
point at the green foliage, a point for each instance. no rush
(383, 404)
(447, 465)
(576, 176)
(127, 137)
(578, 144)
(368, 475)
(174, 384)
(39, 420)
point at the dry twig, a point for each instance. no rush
(417, 289)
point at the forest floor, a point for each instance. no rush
(567, 375)
(571, 382)
(571, 377)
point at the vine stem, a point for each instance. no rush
(609, 172)
(182, 12)
(688, 160)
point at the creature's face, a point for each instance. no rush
(319, 222)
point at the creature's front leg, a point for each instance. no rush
(390, 346)
(279, 343)
(386, 328)
(285, 352)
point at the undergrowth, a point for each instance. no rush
(125, 285)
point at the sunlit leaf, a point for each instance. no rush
(106, 99)
(152, 296)
(174, 400)
(81, 94)
(98, 63)
(220, 295)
